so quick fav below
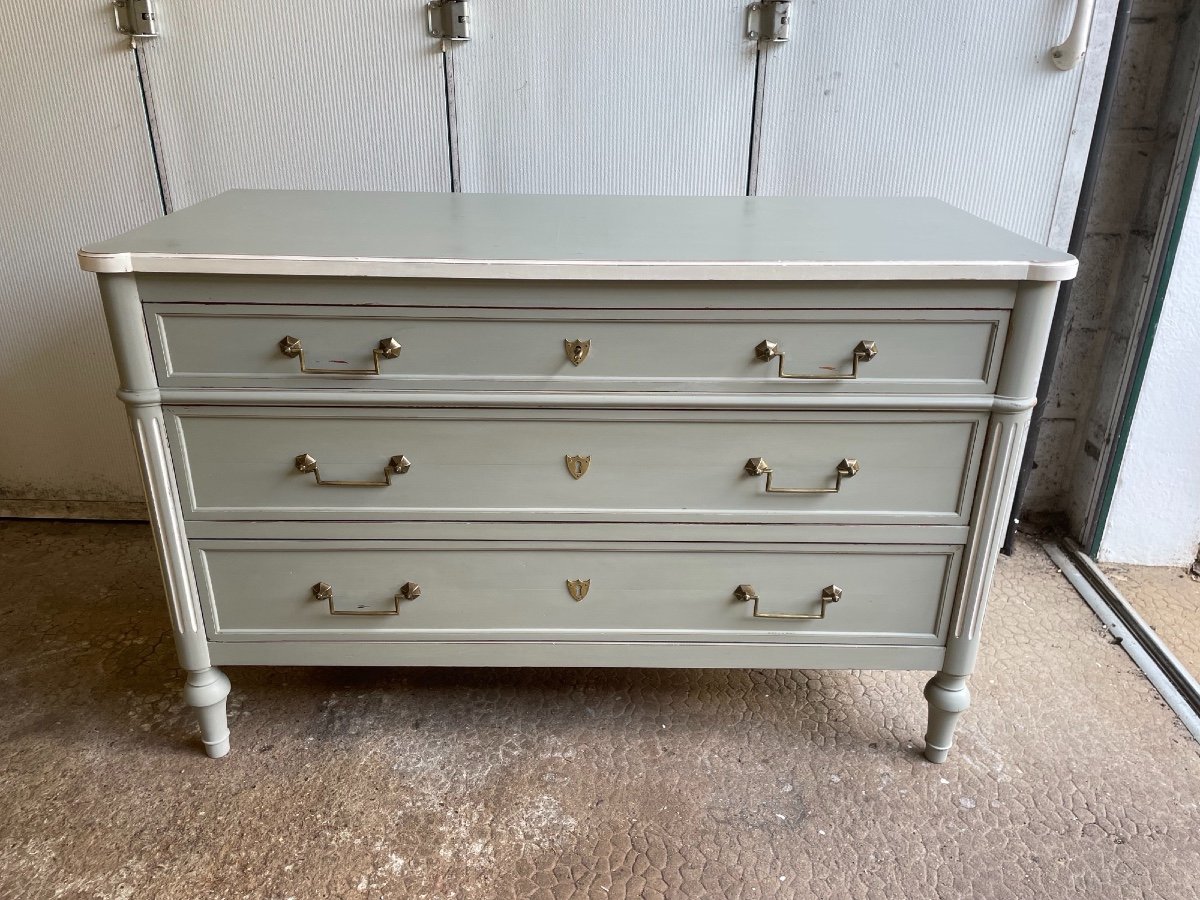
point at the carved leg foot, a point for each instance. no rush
(206, 690)
(948, 697)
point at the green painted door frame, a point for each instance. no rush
(1162, 280)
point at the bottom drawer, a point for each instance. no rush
(562, 591)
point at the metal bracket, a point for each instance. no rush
(136, 18)
(769, 20)
(449, 20)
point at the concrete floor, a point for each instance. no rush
(1168, 598)
(1070, 777)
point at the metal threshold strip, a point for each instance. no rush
(1177, 686)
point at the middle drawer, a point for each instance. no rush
(576, 465)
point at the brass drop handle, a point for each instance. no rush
(291, 347)
(864, 351)
(397, 465)
(323, 591)
(756, 466)
(831, 593)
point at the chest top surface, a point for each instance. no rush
(578, 237)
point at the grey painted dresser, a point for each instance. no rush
(446, 429)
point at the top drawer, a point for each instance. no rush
(953, 351)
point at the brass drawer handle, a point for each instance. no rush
(323, 591)
(291, 347)
(847, 468)
(831, 593)
(864, 351)
(397, 465)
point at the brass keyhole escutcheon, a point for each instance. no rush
(578, 589)
(578, 465)
(577, 351)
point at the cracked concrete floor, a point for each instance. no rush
(1168, 598)
(1070, 776)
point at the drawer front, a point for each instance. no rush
(573, 465)
(264, 590)
(941, 351)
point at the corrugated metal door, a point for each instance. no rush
(294, 94)
(955, 100)
(77, 167)
(620, 97)
(922, 97)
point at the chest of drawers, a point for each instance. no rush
(411, 429)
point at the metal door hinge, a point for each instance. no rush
(769, 20)
(449, 20)
(136, 18)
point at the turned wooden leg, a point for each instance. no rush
(206, 690)
(948, 697)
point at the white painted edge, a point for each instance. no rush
(600, 270)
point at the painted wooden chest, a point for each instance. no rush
(447, 429)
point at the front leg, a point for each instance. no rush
(948, 697)
(206, 690)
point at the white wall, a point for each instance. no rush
(77, 167)
(1154, 518)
